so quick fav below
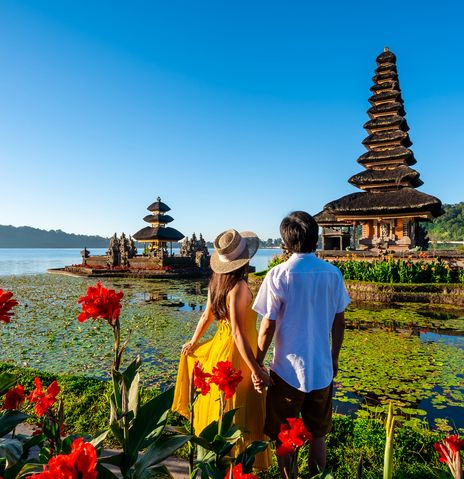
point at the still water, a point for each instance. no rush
(20, 261)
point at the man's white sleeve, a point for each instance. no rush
(343, 297)
(268, 300)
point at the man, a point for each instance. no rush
(302, 302)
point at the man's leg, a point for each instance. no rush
(282, 401)
(318, 456)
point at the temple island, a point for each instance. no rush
(157, 260)
(387, 214)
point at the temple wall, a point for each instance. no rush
(178, 261)
(96, 261)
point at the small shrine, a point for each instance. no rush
(388, 212)
(158, 260)
(158, 235)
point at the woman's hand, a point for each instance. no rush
(187, 348)
(261, 379)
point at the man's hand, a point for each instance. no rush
(261, 379)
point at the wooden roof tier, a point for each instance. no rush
(404, 200)
(160, 233)
(159, 206)
(157, 218)
(396, 177)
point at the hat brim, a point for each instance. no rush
(221, 267)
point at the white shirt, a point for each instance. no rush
(303, 295)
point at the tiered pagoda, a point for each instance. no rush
(390, 209)
(158, 235)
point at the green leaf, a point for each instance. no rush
(113, 459)
(7, 381)
(9, 419)
(159, 451)
(247, 457)
(98, 441)
(150, 422)
(105, 473)
(10, 450)
(157, 472)
(29, 469)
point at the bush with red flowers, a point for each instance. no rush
(14, 397)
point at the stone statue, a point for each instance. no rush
(124, 250)
(132, 248)
(112, 253)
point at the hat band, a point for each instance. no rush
(235, 253)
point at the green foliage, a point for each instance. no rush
(275, 260)
(390, 270)
(449, 226)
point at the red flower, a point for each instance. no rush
(43, 402)
(292, 436)
(14, 397)
(6, 305)
(80, 463)
(100, 302)
(238, 474)
(226, 378)
(449, 447)
(200, 379)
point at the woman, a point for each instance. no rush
(229, 302)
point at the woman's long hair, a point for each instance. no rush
(219, 287)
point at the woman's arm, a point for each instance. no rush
(239, 299)
(202, 326)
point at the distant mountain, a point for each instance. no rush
(27, 237)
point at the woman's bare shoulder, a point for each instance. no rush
(240, 290)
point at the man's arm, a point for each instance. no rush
(338, 332)
(266, 334)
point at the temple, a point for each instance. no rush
(122, 258)
(158, 235)
(388, 212)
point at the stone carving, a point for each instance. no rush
(112, 253)
(132, 248)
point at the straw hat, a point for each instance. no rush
(232, 250)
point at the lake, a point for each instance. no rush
(410, 354)
(19, 261)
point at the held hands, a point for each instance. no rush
(261, 379)
(187, 348)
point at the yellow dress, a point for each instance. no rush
(250, 415)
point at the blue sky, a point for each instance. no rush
(235, 113)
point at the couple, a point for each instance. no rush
(302, 302)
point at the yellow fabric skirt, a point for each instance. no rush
(250, 404)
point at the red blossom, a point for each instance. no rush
(14, 397)
(80, 463)
(237, 473)
(200, 379)
(100, 302)
(43, 402)
(292, 436)
(6, 305)
(449, 453)
(226, 378)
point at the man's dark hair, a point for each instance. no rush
(299, 232)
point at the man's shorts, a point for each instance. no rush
(284, 401)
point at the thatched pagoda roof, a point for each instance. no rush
(377, 138)
(386, 122)
(385, 108)
(386, 57)
(393, 176)
(162, 219)
(395, 155)
(159, 233)
(158, 205)
(404, 200)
